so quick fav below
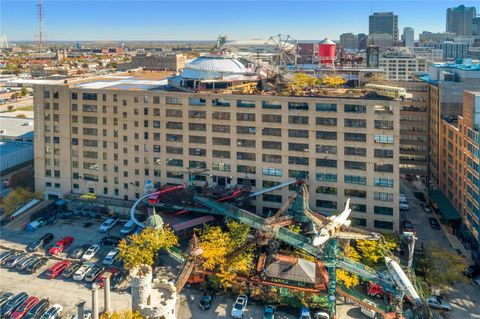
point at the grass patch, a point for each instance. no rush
(25, 108)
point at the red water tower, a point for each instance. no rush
(326, 51)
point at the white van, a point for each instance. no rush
(128, 228)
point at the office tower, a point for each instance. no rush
(401, 66)
(460, 20)
(384, 23)
(349, 41)
(362, 41)
(437, 37)
(408, 37)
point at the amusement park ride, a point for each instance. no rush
(324, 245)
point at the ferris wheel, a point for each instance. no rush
(285, 50)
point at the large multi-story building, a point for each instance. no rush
(110, 140)
(383, 23)
(349, 41)
(408, 37)
(429, 54)
(413, 128)
(459, 165)
(447, 82)
(460, 20)
(163, 62)
(401, 66)
(451, 50)
(436, 37)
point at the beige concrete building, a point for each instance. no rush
(98, 136)
(160, 62)
(402, 66)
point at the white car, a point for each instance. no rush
(90, 252)
(128, 228)
(108, 224)
(111, 257)
(439, 303)
(239, 306)
(54, 312)
(82, 271)
(404, 207)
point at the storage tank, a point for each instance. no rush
(326, 51)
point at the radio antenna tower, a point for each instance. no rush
(41, 25)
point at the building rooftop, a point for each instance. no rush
(143, 80)
(459, 66)
(14, 127)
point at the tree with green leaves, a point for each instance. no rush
(444, 267)
(24, 91)
(140, 249)
(17, 197)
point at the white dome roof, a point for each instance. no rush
(213, 67)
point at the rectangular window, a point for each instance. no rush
(272, 198)
(326, 107)
(358, 207)
(293, 119)
(297, 173)
(220, 154)
(353, 179)
(270, 158)
(382, 224)
(245, 103)
(174, 138)
(353, 108)
(295, 160)
(220, 141)
(246, 156)
(326, 149)
(220, 102)
(89, 120)
(386, 139)
(246, 117)
(358, 222)
(380, 210)
(384, 125)
(362, 166)
(381, 153)
(384, 197)
(271, 171)
(355, 137)
(175, 125)
(221, 116)
(90, 131)
(298, 147)
(89, 108)
(388, 168)
(271, 118)
(246, 130)
(90, 143)
(197, 151)
(246, 143)
(197, 114)
(89, 96)
(322, 162)
(355, 123)
(272, 105)
(174, 162)
(325, 135)
(383, 182)
(173, 100)
(355, 151)
(269, 131)
(174, 113)
(298, 133)
(197, 164)
(326, 190)
(173, 150)
(328, 204)
(302, 106)
(156, 100)
(246, 169)
(355, 193)
(326, 121)
(223, 167)
(221, 128)
(196, 101)
(197, 139)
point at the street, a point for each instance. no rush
(464, 298)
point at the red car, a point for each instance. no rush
(24, 308)
(56, 269)
(61, 245)
(99, 281)
(378, 292)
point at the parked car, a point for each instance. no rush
(206, 300)
(434, 223)
(8, 308)
(110, 240)
(426, 207)
(56, 269)
(118, 279)
(108, 224)
(6, 255)
(5, 297)
(36, 265)
(438, 303)
(403, 207)
(53, 313)
(11, 263)
(61, 245)
(408, 226)
(111, 257)
(93, 273)
(90, 252)
(87, 314)
(82, 271)
(78, 252)
(22, 265)
(321, 315)
(36, 311)
(128, 228)
(472, 271)
(70, 270)
(269, 312)
(239, 306)
(39, 243)
(305, 313)
(24, 308)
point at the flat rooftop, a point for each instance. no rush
(139, 81)
(13, 147)
(16, 127)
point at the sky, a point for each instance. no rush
(117, 20)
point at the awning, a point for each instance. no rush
(444, 206)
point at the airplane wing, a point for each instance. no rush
(353, 235)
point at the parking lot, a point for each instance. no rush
(66, 292)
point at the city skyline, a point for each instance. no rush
(195, 20)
